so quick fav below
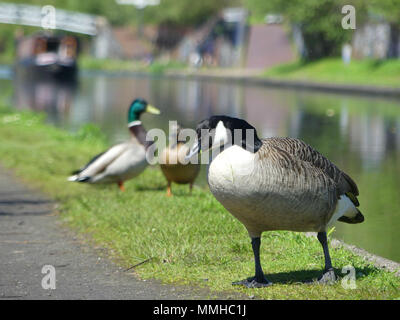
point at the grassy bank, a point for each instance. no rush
(377, 73)
(115, 65)
(190, 239)
(6, 59)
(362, 72)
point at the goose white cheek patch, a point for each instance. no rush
(221, 135)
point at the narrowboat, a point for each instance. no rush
(47, 56)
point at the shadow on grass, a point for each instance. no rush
(180, 192)
(304, 276)
(375, 64)
(145, 187)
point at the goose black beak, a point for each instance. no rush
(194, 150)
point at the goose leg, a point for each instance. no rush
(259, 279)
(329, 275)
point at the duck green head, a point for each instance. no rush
(137, 107)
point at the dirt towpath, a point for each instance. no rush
(31, 236)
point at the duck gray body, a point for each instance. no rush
(119, 163)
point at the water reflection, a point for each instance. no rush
(360, 134)
(45, 95)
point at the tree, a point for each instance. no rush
(390, 10)
(319, 20)
(186, 12)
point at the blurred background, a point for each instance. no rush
(84, 61)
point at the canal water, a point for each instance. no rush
(360, 134)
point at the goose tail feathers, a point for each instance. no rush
(346, 211)
(358, 218)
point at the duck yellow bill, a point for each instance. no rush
(151, 109)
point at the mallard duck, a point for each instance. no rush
(123, 161)
(275, 184)
(172, 161)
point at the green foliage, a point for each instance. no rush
(389, 9)
(320, 20)
(7, 41)
(180, 12)
(190, 238)
(184, 12)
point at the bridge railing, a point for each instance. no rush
(49, 17)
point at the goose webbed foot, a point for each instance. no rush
(252, 282)
(327, 277)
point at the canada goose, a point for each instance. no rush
(275, 184)
(122, 161)
(172, 159)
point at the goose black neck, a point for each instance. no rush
(257, 144)
(253, 144)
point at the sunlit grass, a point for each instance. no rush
(333, 70)
(191, 239)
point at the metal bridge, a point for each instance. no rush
(49, 17)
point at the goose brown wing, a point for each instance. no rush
(303, 151)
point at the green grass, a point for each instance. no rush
(191, 239)
(116, 65)
(333, 70)
(6, 59)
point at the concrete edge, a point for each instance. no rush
(377, 261)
